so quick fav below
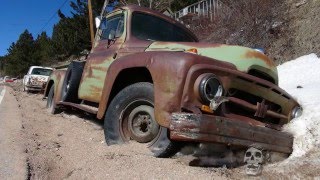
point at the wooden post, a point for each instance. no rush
(91, 23)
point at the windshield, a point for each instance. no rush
(40, 71)
(148, 27)
(114, 24)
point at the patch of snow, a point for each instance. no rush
(305, 72)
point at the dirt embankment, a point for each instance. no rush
(301, 22)
(285, 29)
(71, 146)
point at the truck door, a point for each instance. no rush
(111, 36)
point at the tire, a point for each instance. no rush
(51, 105)
(71, 82)
(130, 116)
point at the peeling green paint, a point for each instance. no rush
(94, 80)
(242, 57)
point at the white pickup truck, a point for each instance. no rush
(36, 78)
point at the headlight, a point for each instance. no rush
(209, 87)
(296, 112)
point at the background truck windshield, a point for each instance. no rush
(40, 71)
(147, 27)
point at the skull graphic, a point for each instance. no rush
(254, 159)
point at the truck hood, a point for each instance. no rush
(242, 57)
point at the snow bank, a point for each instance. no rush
(305, 72)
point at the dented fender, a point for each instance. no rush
(56, 79)
(168, 71)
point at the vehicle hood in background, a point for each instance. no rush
(37, 79)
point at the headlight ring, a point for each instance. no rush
(296, 112)
(209, 87)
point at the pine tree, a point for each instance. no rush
(20, 55)
(43, 49)
(71, 35)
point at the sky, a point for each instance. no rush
(34, 15)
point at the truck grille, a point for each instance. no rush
(261, 75)
(232, 108)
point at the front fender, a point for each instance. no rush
(25, 80)
(56, 78)
(168, 71)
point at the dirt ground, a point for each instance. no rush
(71, 145)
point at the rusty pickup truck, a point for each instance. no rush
(151, 81)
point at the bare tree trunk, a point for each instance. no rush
(104, 8)
(150, 4)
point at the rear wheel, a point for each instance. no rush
(130, 116)
(71, 82)
(51, 105)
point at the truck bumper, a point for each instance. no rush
(215, 129)
(34, 88)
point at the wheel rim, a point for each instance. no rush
(138, 122)
(142, 125)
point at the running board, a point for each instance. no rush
(87, 108)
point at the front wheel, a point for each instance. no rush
(130, 116)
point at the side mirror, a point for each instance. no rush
(97, 21)
(101, 23)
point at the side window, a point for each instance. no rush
(114, 24)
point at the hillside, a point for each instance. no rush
(285, 29)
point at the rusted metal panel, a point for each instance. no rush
(242, 57)
(214, 129)
(168, 71)
(261, 110)
(56, 79)
(98, 62)
(83, 107)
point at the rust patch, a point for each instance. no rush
(258, 55)
(95, 90)
(90, 72)
(191, 44)
(100, 68)
(214, 129)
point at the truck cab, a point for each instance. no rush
(151, 80)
